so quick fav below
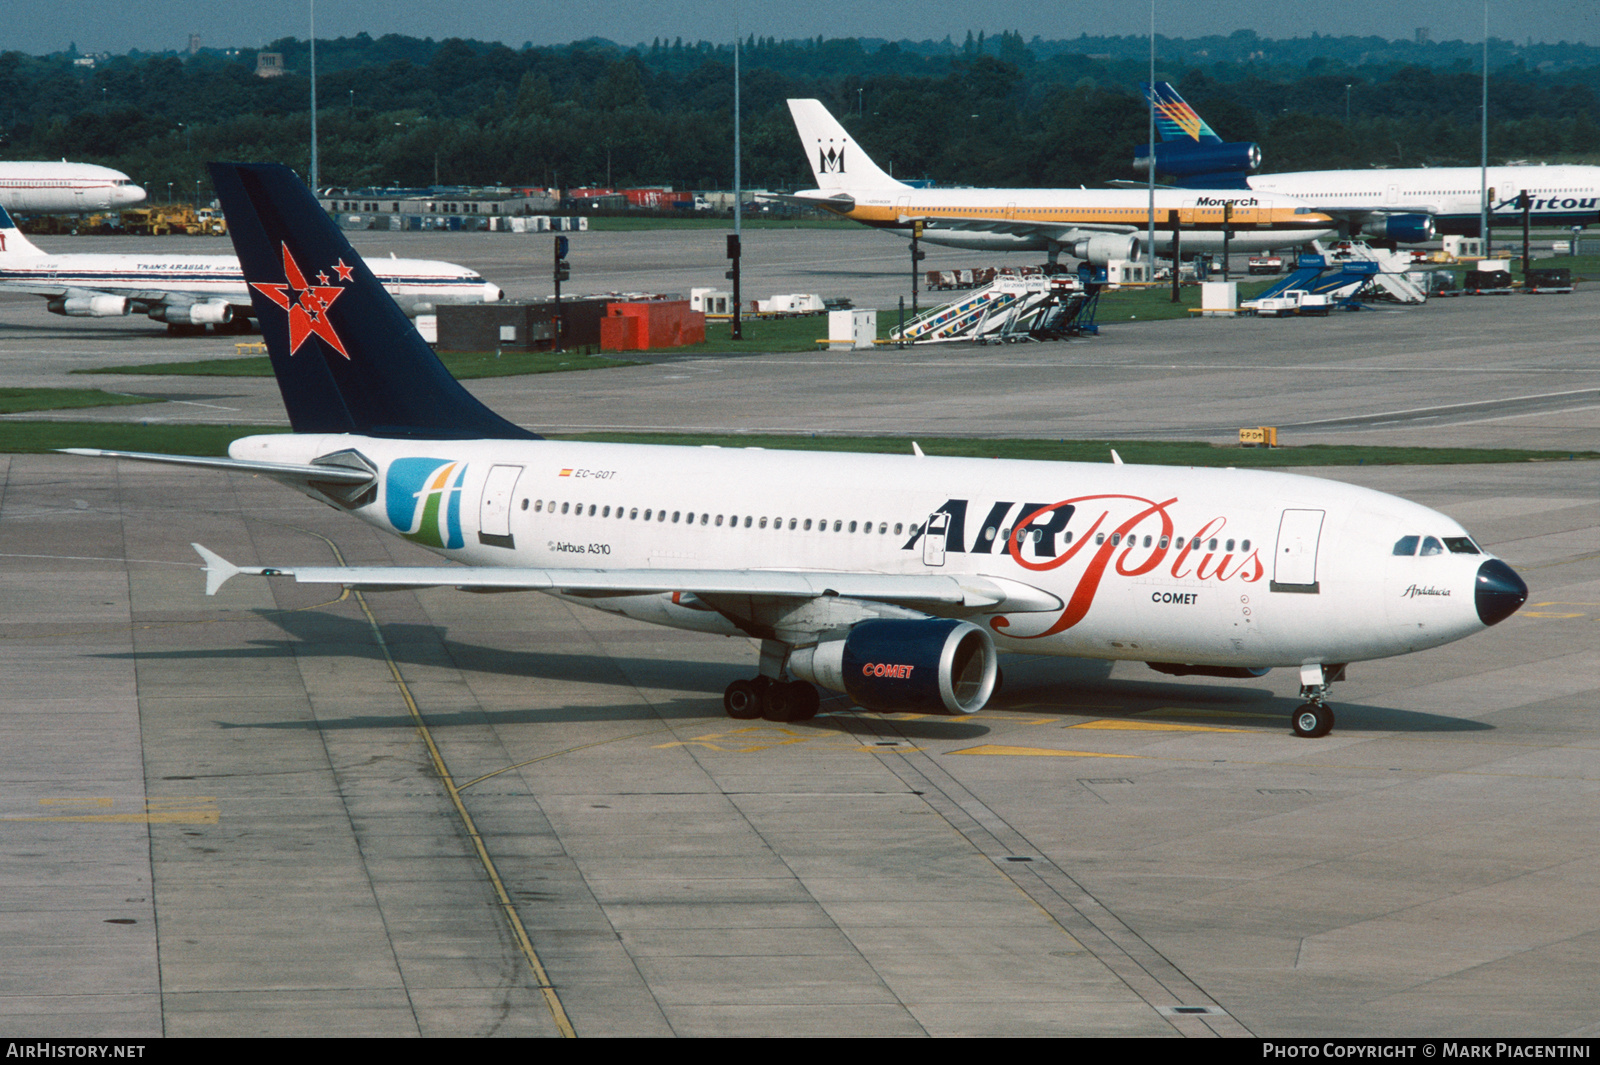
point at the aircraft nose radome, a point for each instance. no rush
(130, 194)
(1498, 592)
(492, 293)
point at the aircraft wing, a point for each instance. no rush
(345, 477)
(1060, 232)
(911, 589)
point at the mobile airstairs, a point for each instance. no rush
(1011, 309)
(1340, 277)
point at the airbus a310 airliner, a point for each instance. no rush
(893, 579)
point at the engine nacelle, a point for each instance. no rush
(1101, 248)
(89, 306)
(211, 312)
(933, 666)
(1402, 228)
(1188, 159)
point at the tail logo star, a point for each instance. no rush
(307, 304)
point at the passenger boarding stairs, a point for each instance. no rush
(1391, 277)
(1013, 308)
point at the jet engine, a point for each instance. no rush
(1186, 159)
(1104, 247)
(89, 306)
(934, 665)
(211, 312)
(1402, 228)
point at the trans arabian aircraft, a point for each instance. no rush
(190, 291)
(895, 579)
(1407, 206)
(65, 187)
(1097, 225)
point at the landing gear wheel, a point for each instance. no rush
(1313, 720)
(794, 701)
(743, 700)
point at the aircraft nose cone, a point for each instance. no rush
(130, 194)
(492, 293)
(1498, 592)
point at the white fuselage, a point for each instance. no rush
(1561, 195)
(956, 217)
(1162, 564)
(65, 188)
(417, 285)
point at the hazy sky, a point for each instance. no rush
(154, 25)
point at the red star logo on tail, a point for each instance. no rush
(307, 305)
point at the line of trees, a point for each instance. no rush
(996, 111)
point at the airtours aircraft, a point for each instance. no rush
(1097, 225)
(189, 292)
(894, 579)
(1408, 206)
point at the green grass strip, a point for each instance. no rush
(1157, 453)
(463, 365)
(32, 437)
(16, 400)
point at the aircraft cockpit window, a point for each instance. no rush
(1406, 545)
(1431, 546)
(1461, 545)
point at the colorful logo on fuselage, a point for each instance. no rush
(423, 500)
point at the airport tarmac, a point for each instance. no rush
(277, 812)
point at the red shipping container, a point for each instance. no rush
(651, 324)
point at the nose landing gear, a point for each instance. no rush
(1314, 718)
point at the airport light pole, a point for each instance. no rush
(736, 247)
(1483, 164)
(313, 97)
(1150, 147)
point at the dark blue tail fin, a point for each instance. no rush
(346, 357)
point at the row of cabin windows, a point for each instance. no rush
(751, 521)
(1431, 545)
(595, 510)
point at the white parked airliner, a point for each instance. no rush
(188, 291)
(65, 188)
(1097, 225)
(894, 579)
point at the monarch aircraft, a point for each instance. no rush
(189, 291)
(895, 579)
(1408, 206)
(1097, 225)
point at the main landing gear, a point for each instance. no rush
(774, 700)
(1314, 718)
